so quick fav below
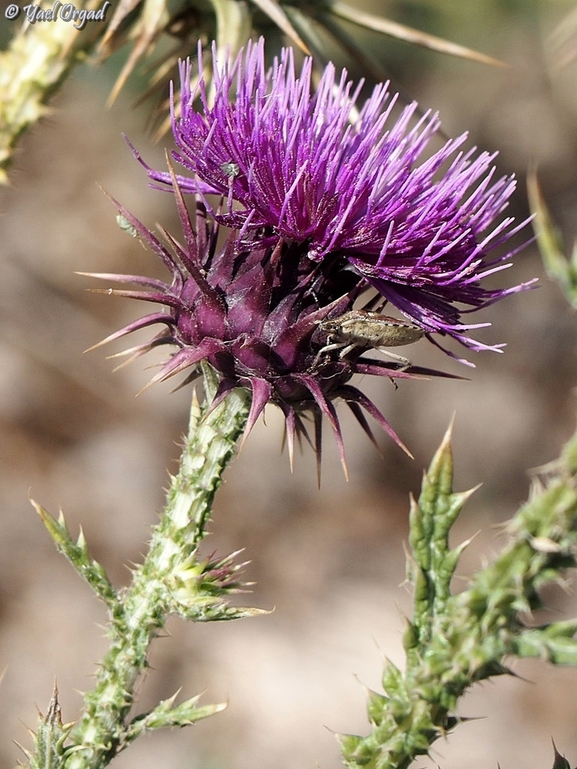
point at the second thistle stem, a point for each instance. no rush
(166, 582)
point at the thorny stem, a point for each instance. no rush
(142, 610)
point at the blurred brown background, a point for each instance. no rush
(330, 562)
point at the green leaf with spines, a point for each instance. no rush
(49, 749)
(197, 590)
(454, 641)
(78, 555)
(554, 642)
(431, 518)
(376, 705)
(166, 714)
(212, 611)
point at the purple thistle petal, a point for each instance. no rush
(261, 392)
(362, 420)
(210, 295)
(386, 368)
(139, 280)
(136, 325)
(136, 352)
(319, 444)
(328, 410)
(374, 367)
(146, 296)
(348, 392)
(146, 236)
(164, 178)
(225, 386)
(290, 430)
(187, 357)
(301, 430)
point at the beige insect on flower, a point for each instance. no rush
(369, 330)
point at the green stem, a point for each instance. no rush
(103, 730)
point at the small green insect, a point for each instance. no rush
(126, 226)
(232, 170)
(369, 330)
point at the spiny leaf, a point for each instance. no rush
(554, 642)
(49, 751)
(211, 610)
(276, 13)
(77, 554)
(457, 640)
(431, 518)
(408, 34)
(166, 714)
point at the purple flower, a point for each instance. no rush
(357, 189)
(257, 316)
(323, 207)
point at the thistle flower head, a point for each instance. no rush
(258, 317)
(322, 206)
(350, 184)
